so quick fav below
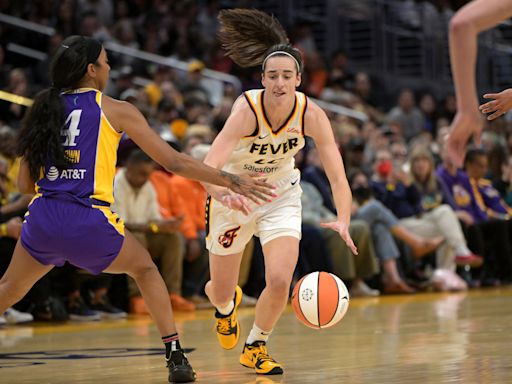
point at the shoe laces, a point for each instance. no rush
(224, 325)
(181, 360)
(261, 352)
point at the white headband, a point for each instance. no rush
(280, 53)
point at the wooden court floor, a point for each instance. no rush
(425, 338)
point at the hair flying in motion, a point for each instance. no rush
(249, 36)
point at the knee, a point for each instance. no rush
(444, 210)
(146, 270)
(218, 294)
(279, 285)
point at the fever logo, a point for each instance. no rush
(226, 240)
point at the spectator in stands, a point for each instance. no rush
(486, 235)
(407, 115)
(137, 204)
(11, 113)
(395, 189)
(385, 227)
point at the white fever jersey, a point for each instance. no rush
(266, 151)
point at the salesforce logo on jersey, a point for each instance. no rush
(69, 174)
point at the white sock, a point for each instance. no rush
(257, 334)
(227, 309)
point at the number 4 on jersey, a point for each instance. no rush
(72, 131)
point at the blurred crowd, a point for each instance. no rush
(419, 222)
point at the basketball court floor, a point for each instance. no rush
(425, 338)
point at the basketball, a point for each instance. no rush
(320, 300)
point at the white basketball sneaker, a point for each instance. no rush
(13, 316)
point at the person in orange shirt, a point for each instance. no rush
(172, 206)
(193, 197)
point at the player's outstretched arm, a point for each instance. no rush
(321, 133)
(126, 117)
(465, 26)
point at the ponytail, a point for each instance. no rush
(247, 34)
(40, 140)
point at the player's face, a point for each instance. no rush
(280, 78)
(102, 70)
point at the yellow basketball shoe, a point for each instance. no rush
(227, 326)
(255, 356)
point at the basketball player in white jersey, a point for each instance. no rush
(265, 130)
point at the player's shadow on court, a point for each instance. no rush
(265, 380)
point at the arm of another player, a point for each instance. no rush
(319, 129)
(240, 123)
(126, 117)
(465, 26)
(501, 104)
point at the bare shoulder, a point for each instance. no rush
(313, 111)
(315, 120)
(118, 111)
(241, 105)
(242, 119)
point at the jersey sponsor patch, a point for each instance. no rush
(67, 174)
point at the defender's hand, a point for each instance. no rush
(248, 186)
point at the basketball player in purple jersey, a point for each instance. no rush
(68, 143)
(266, 128)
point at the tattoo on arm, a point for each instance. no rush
(234, 180)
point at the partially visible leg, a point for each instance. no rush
(342, 258)
(375, 212)
(135, 260)
(245, 265)
(281, 254)
(225, 295)
(223, 278)
(388, 253)
(365, 262)
(23, 272)
(168, 249)
(280, 259)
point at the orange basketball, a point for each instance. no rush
(320, 300)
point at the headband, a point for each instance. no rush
(280, 53)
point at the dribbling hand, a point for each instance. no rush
(342, 228)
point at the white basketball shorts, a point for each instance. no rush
(228, 231)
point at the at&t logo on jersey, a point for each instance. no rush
(52, 174)
(66, 174)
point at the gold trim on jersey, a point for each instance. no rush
(286, 123)
(112, 218)
(254, 110)
(106, 158)
(303, 115)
